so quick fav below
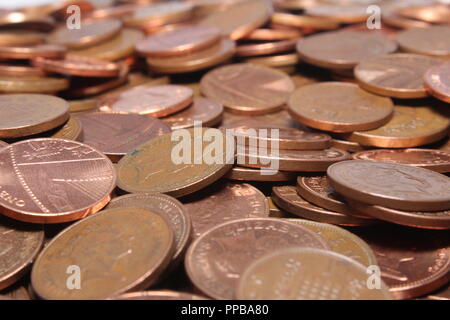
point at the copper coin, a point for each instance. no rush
(246, 88)
(250, 174)
(159, 295)
(89, 34)
(54, 180)
(398, 75)
(28, 114)
(206, 58)
(431, 41)
(303, 21)
(217, 259)
(157, 101)
(120, 250)
(32, 84)
(71, 130)
(20, 244)
(79, 66)
(277, 60)
(3, 144)
(272, 35)
(36, 22)
(82, 105)
(307, 274)
(343, 49)
(279, 119)
(438, 13)
(339, 107)
(340, 13)
(409, 127)
(51, 51)
(441, 294)
(117, 11)
(224, 202)
(348, 146)
(17, 292)
(208, 111)
(151, 167)
(435, 160)
(20, 70)
(179, 42)
(158, 14)
(413, 262)
(19, 37)
(392, 185)
(437, 81)
(115, 135)
(260, 49)
(169, 208)
(287, 198)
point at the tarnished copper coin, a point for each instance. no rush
(224, 202)
(261, 49)
(392, 185)
(251, 174)
(159, 295)
(53, 180)
(413, 262)
(339, 107)
(216, 260)
(28, 114)
(247, 88)
(119, 250)
(437, 81)
(431, 41)
(51, 51)
(398, 75)
(20, 245)
(152, 167)
(307, 274)
(169, 208)
(157, 101)
(116, 134)
(32, 84)
(89, 34)
(287, 198)
(435, 160)
(343, 49)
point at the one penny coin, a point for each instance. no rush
(437, 81)
(264, 34)
(431, 41)
(261, 49)
(339, 13)
(71, 130)
(51, 51)
(251, 174)
(158, 14)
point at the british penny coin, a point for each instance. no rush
(348, 146)
(287, 198)
(151, 168)
(51, 51)
(341, 241)
(287, 275)
(410, 126)
(160, 295)
(28, 114)
(19, 37)
(431, 41)
(158, 14)
(208, 111)
(132, 247)
(116, 134)
(78, 66)
(20, 70)
(437, 81)
(274, 61)
(303, 21)
(413, 262)
(279, 119)
(156, 101)
(33, 84)
(260, 49)
(239, 19)
(54, 180)
(224, 202)
(216, 260)
(391, 185)
(20, 244)
(179, 41)
(71, 130)
(264, 34)
(343, 49)
(206, 58)
(250, 174)
(398, 75)
(247, 88)
(339, 107)
(91, 33)
(431, 159)
(169, 208)
(340, 13)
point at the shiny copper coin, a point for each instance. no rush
(272, 35)
(20, 244)
(437, 81)
(392, 185)
(9, 84)
(278, 60)
(303, 21)
(28, 114)
(51, 51)
(339, 107)
(216, 260)
(343, 49)
(169, 208)
(159, 295)
(20, 70)
(156, 101)
(89, 34)
(250, 174)
(259, 49)
(431, 159)
(208, 111)
(431, 41)
(124, 249)
(287, 198)
(340, 13)
(224, 202)
(246, 88)
(413, 262)
(115, 135)
(179, 42)
(396, 75)
(159, 14)
(71, 130)
(53, 180)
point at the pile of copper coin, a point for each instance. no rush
(357, 107)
